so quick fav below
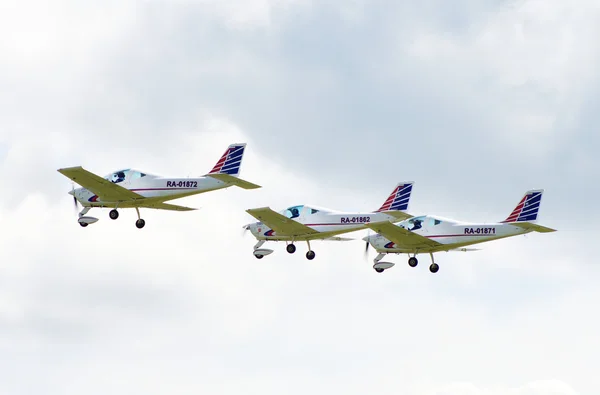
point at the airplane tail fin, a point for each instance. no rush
(231, 161)
(525, 214)
(227, 168)
(397, 203)
(528, 208)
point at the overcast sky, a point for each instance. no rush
(475, 101)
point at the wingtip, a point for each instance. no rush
(63, 169)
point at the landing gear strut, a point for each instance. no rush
(381, 266)
(256, 247)
(434, 267)
(84, 211)
(310, 255)
(85, 221)
(140, 222)
(260, 253)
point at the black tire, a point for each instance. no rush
(310, 255)
(140, 223)
(83, 224)
(434, 267)
(290, 248)
(113, 214)
(413, 261)
(259, 256)
(379, 270)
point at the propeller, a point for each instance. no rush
(245, 229)
(74, 198)
(367, 245)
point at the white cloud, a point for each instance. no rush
(531, 60)
(542, 387)
(337, 102)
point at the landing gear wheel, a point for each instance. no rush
(291, 248)
(310, 255)
(140, 223)
(434, 267)
(83, 224)
(379, 270)
(114, 214)
(412, 261)
(259, 256)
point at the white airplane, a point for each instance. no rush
(429, 234)
(306, 223)
(131, 188)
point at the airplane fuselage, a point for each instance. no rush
(450, 235)
(156, 189)
(327, 224)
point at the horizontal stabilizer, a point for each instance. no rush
(533, 227)
(238, 182)
(399, 215)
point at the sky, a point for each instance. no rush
(475, 101)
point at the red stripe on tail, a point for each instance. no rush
(389, 200)
(515, 214)
(220, 163)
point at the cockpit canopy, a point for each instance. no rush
(420, 222)
(124, 175)
(297, 211)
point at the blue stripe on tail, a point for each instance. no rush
(402, 198)
(531, 207)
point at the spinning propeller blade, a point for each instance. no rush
(367, 245)
(74, 198)
(245, 229)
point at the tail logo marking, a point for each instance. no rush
(231, 161)
(398, 200)
(527, 209)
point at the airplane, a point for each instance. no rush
(307, 222)
(429, 234)
(132, 188)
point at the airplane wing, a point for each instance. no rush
(167, 206)
(335, 238)
(105, 189)
(401, 236)
(281, 224)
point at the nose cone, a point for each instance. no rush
(72, 192)
(367, 238)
